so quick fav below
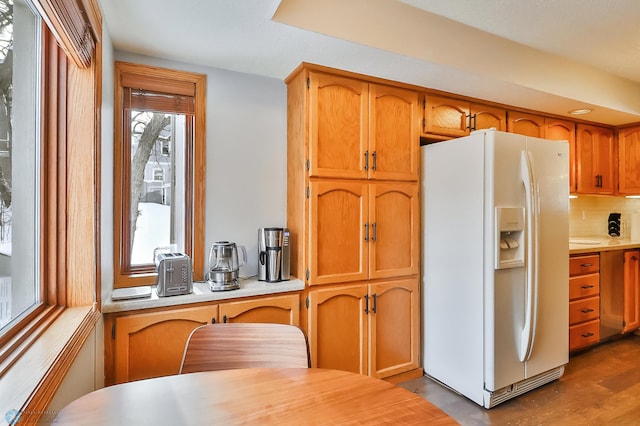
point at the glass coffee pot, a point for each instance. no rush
(224, 265)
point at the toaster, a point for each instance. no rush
(175, 275)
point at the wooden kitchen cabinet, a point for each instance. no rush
(445, 117)
(631, 320)
(353, 210)
(629, 161)
(367, 329)
(375, 235)
(361, 130)
(595, 160)
(555, 129)
(151, 344)
(142, 345)
(584, 301)
(526, 124)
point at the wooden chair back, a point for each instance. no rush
(245, 345)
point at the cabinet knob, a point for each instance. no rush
(586, 310)
(585, 335)
(587, 286)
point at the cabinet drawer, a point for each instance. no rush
(584, 286)
(584, 310)
(580, 265)
(584, 334)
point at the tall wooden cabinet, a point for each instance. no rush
(354, 215)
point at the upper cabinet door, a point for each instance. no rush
(526, 124)
(629, 161)
(486, 117)
(338, 125)
(394, 143)
(564, 130)
(339, 231)
(394, 243)
(595, 157)
(446, 116)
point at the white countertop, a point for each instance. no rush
(201, 293)
(593, 244)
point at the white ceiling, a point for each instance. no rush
(547, 55)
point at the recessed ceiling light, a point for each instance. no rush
(581, 111)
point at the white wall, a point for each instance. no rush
(246, 158)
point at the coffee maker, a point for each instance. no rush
(273, 254)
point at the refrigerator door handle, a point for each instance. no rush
(531, 305)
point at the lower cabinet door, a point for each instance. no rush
(337, 324)
(394, 327)
(152, 344)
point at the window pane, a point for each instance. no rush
(158, 167)
(19, 162)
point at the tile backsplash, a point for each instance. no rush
(588, 215)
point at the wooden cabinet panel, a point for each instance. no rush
(595, 157)
(631, 319)
(584, 309)
(555, 129)
(580, 265)
(486, 117)
(393, 133)
(526, 124)
(337, 328)
(629, 161)
(275, 309)
(584, 334)
(151, 344)
(395, 230)
(394, 329)
(338, 126)
(446, 116)
(338, 216)
(584, 286)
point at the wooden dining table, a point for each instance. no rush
(255, 396)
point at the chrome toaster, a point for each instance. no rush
(175, 275)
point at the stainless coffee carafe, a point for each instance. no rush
(224, 265)
(273, 254)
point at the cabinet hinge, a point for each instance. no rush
(306, 302)
(308, 82)
(113, 330)
(306, 273)
(308, 165)
(308, 192)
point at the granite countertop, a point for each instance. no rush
(201, 293)
(591, 244)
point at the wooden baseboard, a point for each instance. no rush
(403, 377)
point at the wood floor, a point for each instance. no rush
(601, 386)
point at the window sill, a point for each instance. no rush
(30, 382)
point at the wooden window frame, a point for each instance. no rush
(38, 350)
(137, 76)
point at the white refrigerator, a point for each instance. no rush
(496, 263)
